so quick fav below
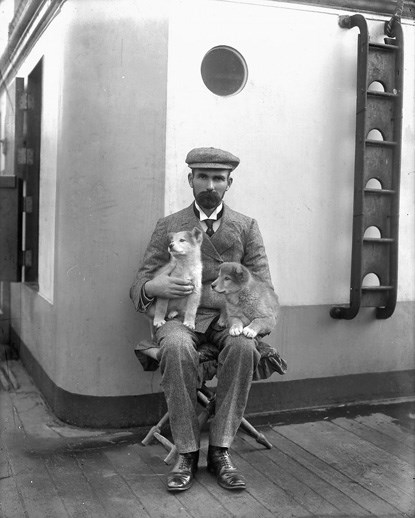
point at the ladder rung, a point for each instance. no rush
(377, 288)
(385, 240)
(379, 191)
(380, 143)
(383, 46)
(382, 94)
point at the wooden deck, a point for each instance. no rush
(349, 462)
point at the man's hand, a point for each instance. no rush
(168, 287)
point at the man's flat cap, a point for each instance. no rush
(211, 158)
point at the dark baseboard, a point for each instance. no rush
(267, 401)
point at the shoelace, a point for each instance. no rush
(185, 462)
(224, 460)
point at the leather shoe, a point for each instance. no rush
(181, 476)
(219, 462)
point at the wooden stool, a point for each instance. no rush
(207, 400)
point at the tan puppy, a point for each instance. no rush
(251, 305)
(186, 263)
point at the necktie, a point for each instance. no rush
(209, 222)
(209, 230)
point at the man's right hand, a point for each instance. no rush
(168, 287)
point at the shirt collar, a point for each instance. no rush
(214, 215)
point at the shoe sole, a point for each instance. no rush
(231, 488)
(174, 489)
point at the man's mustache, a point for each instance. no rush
(208, 199)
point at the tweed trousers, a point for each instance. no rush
(179, 364)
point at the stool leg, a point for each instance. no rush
(171, 455)
(169, 446)
(260, 437)
(155, 433)
(155, 429)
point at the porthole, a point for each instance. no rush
(224, 71)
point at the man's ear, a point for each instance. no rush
(230, 180)
(190, 179)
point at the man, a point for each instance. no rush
(229, 236)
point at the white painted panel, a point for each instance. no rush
(293, 127)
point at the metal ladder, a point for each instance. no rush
(379, 160)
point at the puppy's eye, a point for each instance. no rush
(226, 278)
(182, 240)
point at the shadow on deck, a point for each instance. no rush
(344, 462)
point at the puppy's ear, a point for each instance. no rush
(197, 235)
(241, 272)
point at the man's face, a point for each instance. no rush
(209, 186)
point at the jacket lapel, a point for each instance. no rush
(221, 240)
(224, 238)
(188, 221)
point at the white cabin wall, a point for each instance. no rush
(293, 127)
(102, 186)
(123, 104)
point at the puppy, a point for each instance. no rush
(251, 306)
(185, 262)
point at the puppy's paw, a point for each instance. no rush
(235, 330)
(249, 332)
(172, 314)
(190, 325)
(158, 323)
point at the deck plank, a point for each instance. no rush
(290, 464)
(36, 489)
(114, 495)
(283, 439)
(225, 503)
(357, 459)
(294, 488)
(378, 438)
(11, 500)
(263, 488)
(242, 504)
(74, 490)
(387, 425)
(343, 464)
(32, 411)
(397, 472)
(145, 472)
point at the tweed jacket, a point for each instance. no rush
(237, 239)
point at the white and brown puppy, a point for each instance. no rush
(251, 306)
(185, 262)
